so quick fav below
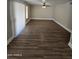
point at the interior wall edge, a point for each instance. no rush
(10, 39)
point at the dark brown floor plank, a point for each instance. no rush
(41, 39)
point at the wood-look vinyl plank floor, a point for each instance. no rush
(41, 39)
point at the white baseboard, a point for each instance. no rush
(70, 45)
(41, 18)
(54, 21)
(9, 40)
(62, 26)
(28, 21)
(70, 42)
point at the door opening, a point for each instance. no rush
(26, 13)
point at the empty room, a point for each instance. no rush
(39, 29)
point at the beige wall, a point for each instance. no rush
(63, 14)
(39, 12)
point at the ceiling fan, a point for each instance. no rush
(44, 3)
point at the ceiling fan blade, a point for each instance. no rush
(48, 5)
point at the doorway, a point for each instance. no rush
(26, 10)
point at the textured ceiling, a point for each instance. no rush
(49, 2)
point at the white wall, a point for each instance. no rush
(19, 15)
(63, 14)
(39, 12)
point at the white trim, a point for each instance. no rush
(70, 45)
(70, 42)
(41, 18)
(54, 21)
(9, 40)
(28, 21)
(62, 26)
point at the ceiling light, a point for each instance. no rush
(44, 5)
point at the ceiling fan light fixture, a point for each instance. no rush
(43, 6)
